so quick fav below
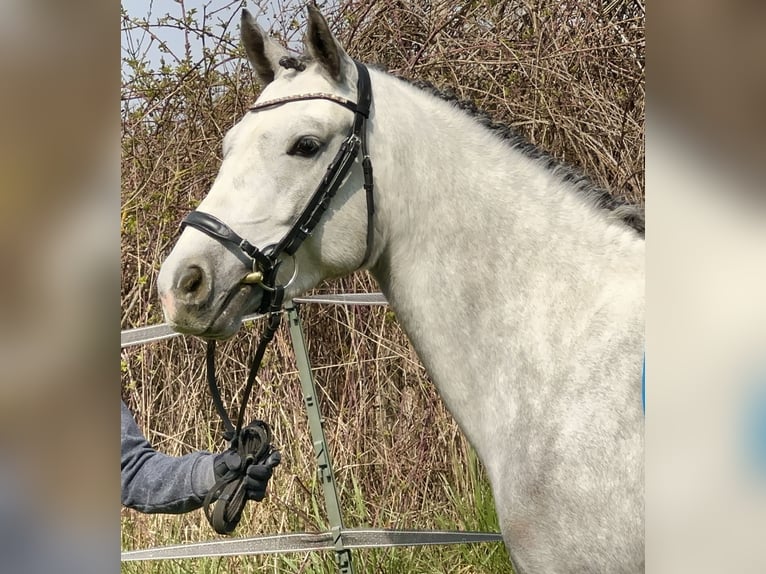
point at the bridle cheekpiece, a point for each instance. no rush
(266, 261)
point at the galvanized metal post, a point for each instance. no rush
(324, 464)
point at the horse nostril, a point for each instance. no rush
(191, 280)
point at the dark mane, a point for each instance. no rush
(630, 214)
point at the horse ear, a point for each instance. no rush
(322, 46)
(262, 52)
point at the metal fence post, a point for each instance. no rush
(324, 464)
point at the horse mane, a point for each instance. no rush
(630, 214)
(617, 208)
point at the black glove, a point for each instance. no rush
(242, 473)
(257, 475)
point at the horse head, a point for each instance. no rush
(274, 158)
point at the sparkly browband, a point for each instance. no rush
(315, 96)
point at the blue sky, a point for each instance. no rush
(153, 9)
(264, 10)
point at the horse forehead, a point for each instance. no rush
(291, 116)
(289, 120)
(265, 124)
(292, 83)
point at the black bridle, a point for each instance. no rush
(267, 260)
(265, 264)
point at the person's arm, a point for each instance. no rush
(153, 482)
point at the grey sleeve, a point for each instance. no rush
(153, 482)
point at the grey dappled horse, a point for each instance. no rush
(519, 283)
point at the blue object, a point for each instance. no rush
(755, 426)
(643, 384)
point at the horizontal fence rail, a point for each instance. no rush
(152, 333)
(341, 540)
(353, 538)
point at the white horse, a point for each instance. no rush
(520, 285)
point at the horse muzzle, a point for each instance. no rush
(196, 304)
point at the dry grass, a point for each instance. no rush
(569, 75)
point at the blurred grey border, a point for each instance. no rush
(706, 284)
(59, 233)
(59, 293)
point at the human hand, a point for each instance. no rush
(258, 476)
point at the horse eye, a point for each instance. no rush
(307, 146)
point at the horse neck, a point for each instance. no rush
(485, 255)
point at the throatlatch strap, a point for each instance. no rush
(364, 94)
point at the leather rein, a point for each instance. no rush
(265, 262)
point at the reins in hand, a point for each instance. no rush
(252, 443)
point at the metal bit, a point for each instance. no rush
(253, 278)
